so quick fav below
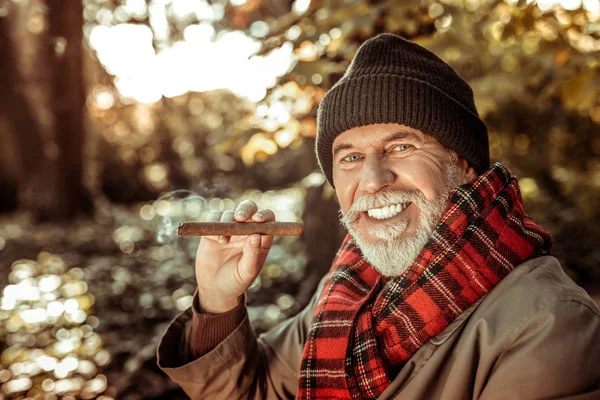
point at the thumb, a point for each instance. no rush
(251, 262)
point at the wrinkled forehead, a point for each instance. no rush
(379, 134)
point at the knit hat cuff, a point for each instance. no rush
(387, 98)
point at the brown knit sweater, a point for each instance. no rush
(208, 330)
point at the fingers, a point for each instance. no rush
(245, 210)
(252, 259)
(227, 216)
(263, 215)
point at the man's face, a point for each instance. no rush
(393, 183)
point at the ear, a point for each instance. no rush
(469, 173)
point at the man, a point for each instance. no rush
(443, 289)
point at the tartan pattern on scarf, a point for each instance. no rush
(365, 326)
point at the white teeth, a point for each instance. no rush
(387, 211)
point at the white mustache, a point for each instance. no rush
(379, 200)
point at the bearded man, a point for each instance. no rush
(443, 288)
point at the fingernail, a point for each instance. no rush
(239, 214)
(255, 240)
(259, 215)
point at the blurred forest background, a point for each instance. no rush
(120, 118)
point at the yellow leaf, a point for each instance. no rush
(580, 91)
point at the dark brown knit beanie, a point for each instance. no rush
(393, 80)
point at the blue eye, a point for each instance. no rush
(402, 147)
(351, 158)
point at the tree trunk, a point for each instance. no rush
(22, 123)
(50, 150)
(68, 104)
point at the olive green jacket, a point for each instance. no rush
(536, 335)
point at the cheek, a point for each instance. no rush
(345, 189)
(428, 179)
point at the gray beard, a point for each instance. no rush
(390, 255)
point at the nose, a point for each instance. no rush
(375, 174)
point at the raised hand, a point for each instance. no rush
(226, 266)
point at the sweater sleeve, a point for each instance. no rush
(240, 366)
(208, 330)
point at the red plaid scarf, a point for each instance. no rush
(363, 331)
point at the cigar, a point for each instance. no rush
(240, 228)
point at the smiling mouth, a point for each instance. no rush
(387, 212)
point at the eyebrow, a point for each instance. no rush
(402, 135)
